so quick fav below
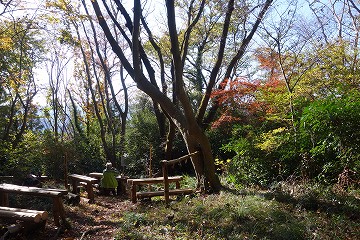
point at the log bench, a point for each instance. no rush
(23, 214)
(55, 194)
(165, 180)
(86, 181)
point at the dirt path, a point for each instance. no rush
(100, 220)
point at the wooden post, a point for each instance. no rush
(133, 192)
(65, 172)
(150, 166)
(74, 185)
(4, 199)
(90, 191)
(150, 162)
(166, 181)
(58, 210)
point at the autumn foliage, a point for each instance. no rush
(243, 100)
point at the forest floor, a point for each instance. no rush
(84, 221)
(311, 213)
(100, 220)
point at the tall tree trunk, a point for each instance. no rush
(196, 140)
(107, 151)
(193, 135)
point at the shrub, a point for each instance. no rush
(331, 133)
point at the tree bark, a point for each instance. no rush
(180, 112)
(193, 135)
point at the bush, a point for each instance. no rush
(330, 132)
(142, 133)
(247, 166)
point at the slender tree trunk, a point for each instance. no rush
(194, 136)
(76, 117)
(170, 141)
(107, 151)
(27, 108)
(10, 119)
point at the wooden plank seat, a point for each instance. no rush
(84, 184)
(157, 180)
(23, 214)
(165, 180)
(172, 192)
(86, 181)
(135, 182)
(122, 181)
(6, 178)
(97, 175)
(55, 194)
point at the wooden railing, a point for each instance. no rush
(165, 164)
(165, 179)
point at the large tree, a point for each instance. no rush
(178, 108)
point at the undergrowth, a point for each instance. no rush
(283, 212)
(287, 210)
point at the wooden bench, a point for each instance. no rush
(55, 194)
(165, 180)
(121, 188)
(6, 178)
(135, 182)
(88, 182)
(23, 214)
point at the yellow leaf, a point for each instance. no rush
(6, 43)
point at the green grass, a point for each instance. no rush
(314, 213)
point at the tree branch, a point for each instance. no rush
(230, 68)
(216, 68)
